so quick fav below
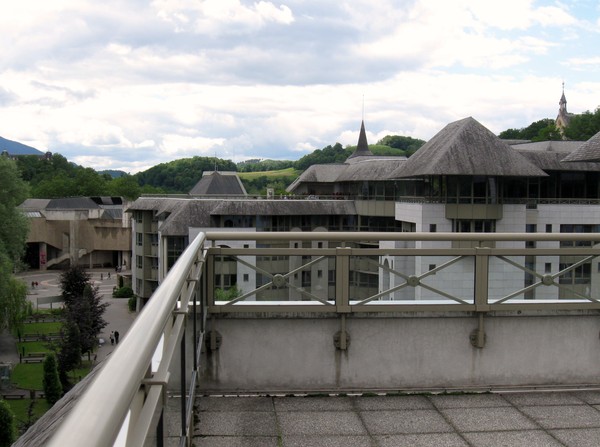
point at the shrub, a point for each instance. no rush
(7, 429)
(123, 292)
(51, 379)
(132, 303)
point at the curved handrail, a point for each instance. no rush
(99, 413)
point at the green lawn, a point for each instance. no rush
(33, 346)
(28, 376)
(41, 328)
(20, 408)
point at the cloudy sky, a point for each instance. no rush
(128, 84)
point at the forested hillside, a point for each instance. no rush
(60, 178)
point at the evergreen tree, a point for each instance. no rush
(69, 354)
(51, 380)
(73, 282)
(88, 315)
(7, 428)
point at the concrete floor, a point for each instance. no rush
(543, 419)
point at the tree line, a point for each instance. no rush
(58, 177)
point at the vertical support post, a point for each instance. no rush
(482, 268)
(183, 382)
(194, 327)
(342, 279)
(160, 432)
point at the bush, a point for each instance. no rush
(123, 292)
(132, 303)
(7, 429)
(51, 380)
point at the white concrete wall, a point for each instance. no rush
(298, 354)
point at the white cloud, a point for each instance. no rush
(221, 16)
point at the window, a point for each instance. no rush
(547, 267)
(139, 262)
(474, 226)
(432, 228)
(578, 228)
(319, 273)
(154, 239)
(139, 239)
(530, 228)
(246, 277)
(431, 267)
(548, 228)
(579, 275)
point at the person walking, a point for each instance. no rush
(112, 338)
(117, 337)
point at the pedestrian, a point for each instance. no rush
(101, 276)
(36, 284)
(117, 337)
(33, 284)
(112, 337)
(108, 275)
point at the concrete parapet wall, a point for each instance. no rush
(402, 353)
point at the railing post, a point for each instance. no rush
(482, 269)
(342, 279)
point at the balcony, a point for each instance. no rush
(435, 319)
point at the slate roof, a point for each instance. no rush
(362, 148)
(466, 147)
(219, 183)
(588, 151)
(180, 214)
(72, 203)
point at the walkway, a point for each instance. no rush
(117, 314)
(544, 419)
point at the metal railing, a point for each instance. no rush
(128, 395)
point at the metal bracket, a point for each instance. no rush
(341, 339)
(478, 336)
(213, 340)
(163, 383)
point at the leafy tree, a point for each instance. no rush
(180, 176)
(408, 144)
(548, 133)
(125, 186)
(531, 132)
(13, 234)
(584, 126)
(329, 154)
(51, 380)
(7, 428)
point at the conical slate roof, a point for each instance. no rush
(588, 151)
(466, 147)
(219, 183)
(362, 148)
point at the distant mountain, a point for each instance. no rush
(15, 148)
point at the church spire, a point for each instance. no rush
(362, 148)
(563, 100)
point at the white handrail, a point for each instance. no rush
(100, 411)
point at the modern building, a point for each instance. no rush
(89, 231)
(465, 179)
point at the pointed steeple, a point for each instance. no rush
(563, 101)
(362, 148)
(563, 117)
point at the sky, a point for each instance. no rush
(129, 84)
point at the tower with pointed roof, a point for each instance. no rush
(362, 148)
(563, 118)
